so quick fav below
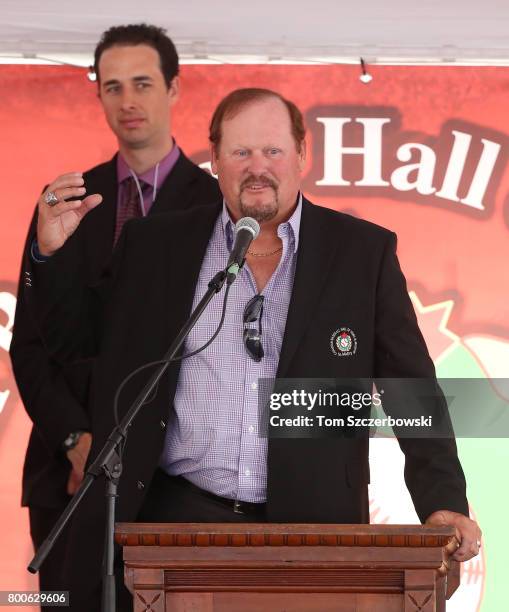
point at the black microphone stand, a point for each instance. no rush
(108, 461)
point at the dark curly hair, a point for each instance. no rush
(141, 34)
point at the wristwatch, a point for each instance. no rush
(72, 440)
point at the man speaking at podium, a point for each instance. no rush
(194, 452)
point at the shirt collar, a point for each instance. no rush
(165, 165)
(292, 225)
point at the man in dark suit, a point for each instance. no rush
(138, 84)
(195, 453)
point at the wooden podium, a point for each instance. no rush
(223, 567)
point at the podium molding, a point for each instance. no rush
(223, 567)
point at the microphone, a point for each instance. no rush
(246, 230)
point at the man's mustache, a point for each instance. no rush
(258, 180)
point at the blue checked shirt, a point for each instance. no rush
(212, 439)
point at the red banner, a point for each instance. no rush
(421, 150)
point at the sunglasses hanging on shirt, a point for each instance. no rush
(253, 337)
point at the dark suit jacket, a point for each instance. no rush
(55, 394)
(347, 275)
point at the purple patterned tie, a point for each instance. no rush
(129, 207)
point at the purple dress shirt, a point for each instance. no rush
(165, 167)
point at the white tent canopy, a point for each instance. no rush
(429, 30)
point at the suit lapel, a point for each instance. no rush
(190, 235)
(175, 192)
(318, 242)
(100, 224)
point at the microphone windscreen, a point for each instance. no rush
(250, 224)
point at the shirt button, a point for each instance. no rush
(254, 385)
(140, 485)
(251, 429)
(247, 472)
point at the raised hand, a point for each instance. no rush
(59, 219)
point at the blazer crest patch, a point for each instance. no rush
(343, 342)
